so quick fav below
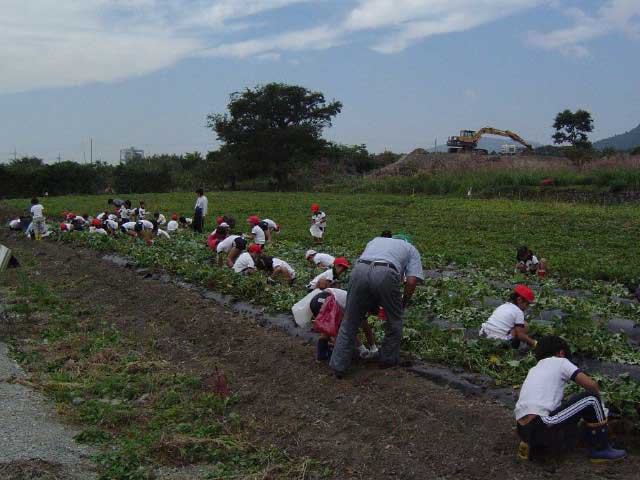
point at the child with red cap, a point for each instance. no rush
(257, 231)
(318, 223)
(330, 277)
(245, 264)
(507, 321)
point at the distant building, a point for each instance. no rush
(130, 153)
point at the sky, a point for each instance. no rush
(118, 73)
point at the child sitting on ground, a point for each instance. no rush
(542, 417)
(507, 321)
(527, 262)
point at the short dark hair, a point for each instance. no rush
(110, 201)
(386, 234)
(34, 201)
(221, 230)
(522, 253)
(199, 191)
(549, 345)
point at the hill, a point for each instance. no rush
(622, 142)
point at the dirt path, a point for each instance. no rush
(374, 424)
(35, 444)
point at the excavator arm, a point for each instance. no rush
(503, 133)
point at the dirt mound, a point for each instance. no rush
(421, 161)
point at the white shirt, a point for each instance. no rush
(532, 262)
(172, 226)
(272, 225)
(161, 219)
(36, 211)
(113, 217)
(340, 296)
(97, 231)
(327, 274)
(162, 233)
(111, 224)
(100, 216)
(146, 224)
(124, 212)
(319, 219)
(324, 260)
(285, 266)
(129, 225)
(202, 202)
(501, 321)
(258, 233)
(543, 389)
(243, 262)
(225, 245)
(14, 223)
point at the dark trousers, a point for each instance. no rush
(550, 431)
(370, 286)
(198, 221)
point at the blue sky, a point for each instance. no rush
(147, 72)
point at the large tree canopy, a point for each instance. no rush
(271, 127)
(573, 128)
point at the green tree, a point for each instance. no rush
(573, 128)
(271, 128)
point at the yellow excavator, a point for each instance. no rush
(467, 141)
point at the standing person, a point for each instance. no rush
(541, 415)
(200, 211)
(507, 323)
(318, 223)
(37, 218)
(376, 280)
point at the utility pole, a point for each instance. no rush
(58, 157)
(91, 150)
(435, 145)
(15, 154)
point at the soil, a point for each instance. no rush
(372, 424)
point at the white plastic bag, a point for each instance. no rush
(302, 310)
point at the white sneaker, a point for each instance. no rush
(373, 353)
(364, 353)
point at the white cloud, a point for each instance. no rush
(49, 43)
(412, 20)
(615, 16)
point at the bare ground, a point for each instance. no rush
(373, 424)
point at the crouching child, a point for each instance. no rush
(542, 418)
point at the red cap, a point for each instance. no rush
(95, 222)
(253, 220)
(71, 215)
(174, 217)
(315, 207)
(254, 248)
(341, 261)
(148, 241)
(524, 292)
(219, 220)
(64, 214)
(63, 226)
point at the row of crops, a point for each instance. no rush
(468, 248)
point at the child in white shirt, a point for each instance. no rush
(37, 219)
(541, 415)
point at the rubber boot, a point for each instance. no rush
(600, 450)
(322, 350)
(523, 451)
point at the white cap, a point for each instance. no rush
(309, 253)
(224, 224)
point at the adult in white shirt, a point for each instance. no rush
(507, 321)
(323, 260)
(245, 263)
(200, 211)
(541, 415)
(232, 246)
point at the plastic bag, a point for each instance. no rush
(329, 319)
(302, 312)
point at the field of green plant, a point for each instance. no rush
(467, 245)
